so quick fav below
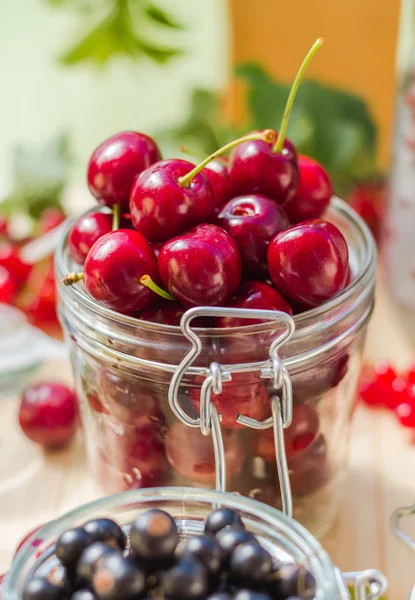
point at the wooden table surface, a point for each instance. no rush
(37, 487)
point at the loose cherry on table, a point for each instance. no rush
(270, 168)
(8, 286)
(48, 414)
(115, 164)
(85, 232)
(254, 295)
(313, 193)
(201, 267)
(253, 220)
(173, 195)
(113, 269)
(309, 262)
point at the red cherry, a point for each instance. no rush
(406, 413)
(216, 173)
(95, 403)
(375, 385)
(308, 263)
(398, 393)
(170, 313)
(156, 247)
(297, 438)
(113, 269)
(253, 221)
(310, 471)
(85, 232)
(162, 207)
(50, 218)
(410, 374)
(8, 286)
(115, 164)
(248, 400)
(255, 295)
(42, 309)
(4, 227)
(191, 454)
(10, 259)
(48, 414)
(313, 193)
(368, 199)
(255, 168)
(201, 267)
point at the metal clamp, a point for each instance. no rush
(397, 515)
(209, 419)
(370, 584)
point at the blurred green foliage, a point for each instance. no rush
(331, 125)
(128, 28)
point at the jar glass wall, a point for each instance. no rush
(123, 367)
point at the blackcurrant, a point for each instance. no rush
(250, 563)
(70, 545)
(40, 588)
(230, 537)
(117, 578)
(292, 581)
(220, 596)
(106, 530)
(188, 580)
(250, 595)
(154, 535)
(203, 548)
(83, 595)
(220, 518)
(90, 560)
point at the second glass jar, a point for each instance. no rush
(123, 368)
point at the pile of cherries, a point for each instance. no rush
(227, 562)
(244, 232)
(382, 387)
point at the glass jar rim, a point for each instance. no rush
(303, 319)
(320, 563)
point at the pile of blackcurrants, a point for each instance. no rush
(243, 231)
(227, 562)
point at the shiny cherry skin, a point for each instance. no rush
(202, 267)
(254, 295)
(85, 232)
(309, 262)
(10, 259)
(161, 207)
(216, 173)
(8, 286)
(48, 414)
(115, 164)
(253, 221)
(254, 168)
(170, 313)
(313, 193)
(113, 269)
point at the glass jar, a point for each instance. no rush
(284, 538)
(123, 369)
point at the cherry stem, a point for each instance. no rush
(115, 217)
(278, 146)
(268, 135)
(72, 278)
(148, 282)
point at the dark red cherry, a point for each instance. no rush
(201, 267)
(255, 295)
(4, 227)
(113, 269)
(253, 221)
(8, 286)
(216, 173)
(170, 313)
(313, 193)
(85, 232)
(10, 259)
(48, 414)
(309, 262)
(161, 207)
(115, 164)
(255, 168)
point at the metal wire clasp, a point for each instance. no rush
(397, 515)
(209, 419)
(370, 584)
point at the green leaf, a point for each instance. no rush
(155, 13)
(331, 125)
(158, 54)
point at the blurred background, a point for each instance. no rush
(193, 74)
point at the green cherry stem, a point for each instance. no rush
(72, 278)
(268, 135)
(279, 144)
(148, 282)
(115, 217)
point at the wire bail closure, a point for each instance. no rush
(273, 369)
(369, 584)
(397, 515)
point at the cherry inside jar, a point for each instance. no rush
(123, 368)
